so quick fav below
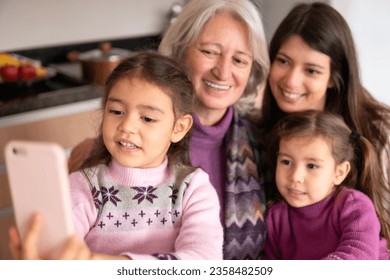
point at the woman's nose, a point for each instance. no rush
(222, 69)
(293, 78)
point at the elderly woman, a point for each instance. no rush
(222, 44)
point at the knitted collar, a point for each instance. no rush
(127, 176)
(211, 134)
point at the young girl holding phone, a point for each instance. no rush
(137, 196)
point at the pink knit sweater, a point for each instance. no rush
(139, 213)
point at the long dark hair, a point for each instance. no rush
(324, 29)
(171, 78)
(345, 144)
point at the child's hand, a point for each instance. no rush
(26, 249)
(74, 249)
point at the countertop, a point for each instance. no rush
(52, 104)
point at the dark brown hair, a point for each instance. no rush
(345, 145)
(324, 29)
(171, 78)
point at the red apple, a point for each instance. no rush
(27, 71)
(9, 72)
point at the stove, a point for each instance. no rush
(61, 88)
(66, 84)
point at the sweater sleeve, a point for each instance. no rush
(83, 208)
(359, 226)
(201, 232)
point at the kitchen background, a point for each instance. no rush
(47, 29)
(28, 24)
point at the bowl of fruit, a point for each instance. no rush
(18, 69)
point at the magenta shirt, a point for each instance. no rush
(341, 227)
(208, 150)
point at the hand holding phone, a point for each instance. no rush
(38, 178)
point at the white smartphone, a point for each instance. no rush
(38, 179)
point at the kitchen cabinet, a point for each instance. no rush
(67, 130)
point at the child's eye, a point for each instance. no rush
(116, 112)
(285, 162)
(312, 166)
(148, 119)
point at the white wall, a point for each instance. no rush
(369, 21)
(28, 24)
(273, 12)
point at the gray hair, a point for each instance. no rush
(187, 27)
